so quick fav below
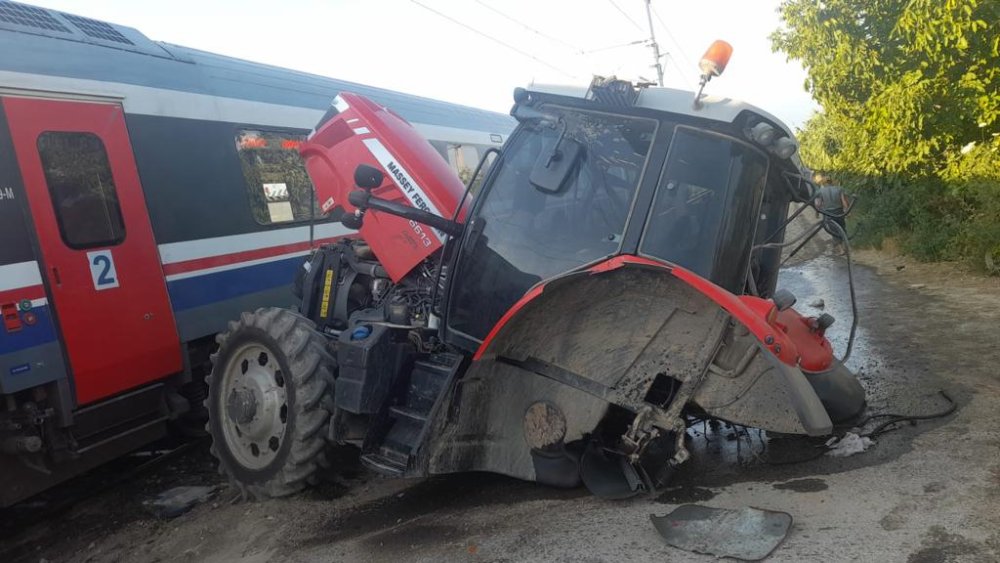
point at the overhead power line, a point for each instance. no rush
(610, 47)
(680, 48)
(528, 27)
(673, 60)
(657, 64)
(494, 39)
(628, 17)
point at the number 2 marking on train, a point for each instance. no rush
(102, 269)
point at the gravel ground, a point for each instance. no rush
(925, 493)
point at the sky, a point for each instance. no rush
(426, 47)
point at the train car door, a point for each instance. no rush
(100, 258)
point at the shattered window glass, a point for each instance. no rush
(277, 182)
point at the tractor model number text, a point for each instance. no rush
(424, 239)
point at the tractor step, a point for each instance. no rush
(407, 423)
(383, 465)
(410, 415)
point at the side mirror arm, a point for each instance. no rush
(363, 200)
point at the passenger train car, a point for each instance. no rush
(149, 193)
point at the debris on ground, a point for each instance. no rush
(745, 533)
(178, 500)
(848, 445)
(817, 303)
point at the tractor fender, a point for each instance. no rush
(748, 310)
(580, 343)
(772, 393)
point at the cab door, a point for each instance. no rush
(99, 256)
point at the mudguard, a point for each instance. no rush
(608, 336)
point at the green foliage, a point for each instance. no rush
(910, 91)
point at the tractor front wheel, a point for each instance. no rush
(269, 402)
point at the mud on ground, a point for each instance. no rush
(925, 493)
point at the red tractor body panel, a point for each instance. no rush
(364, 132)
(788, 337)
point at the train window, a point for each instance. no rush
(82, 188)
(463, 159)
(277, 182)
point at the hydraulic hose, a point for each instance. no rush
(850, 282)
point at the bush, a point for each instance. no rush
(932, 219)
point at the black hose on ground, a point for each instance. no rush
(897, 418)
(882, 428)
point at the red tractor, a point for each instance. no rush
(615, 272)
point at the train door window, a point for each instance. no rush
(78, 175)
(278, 185)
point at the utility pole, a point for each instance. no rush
(654, 44)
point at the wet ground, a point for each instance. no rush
(925, 493)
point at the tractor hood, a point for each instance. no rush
(358, 131)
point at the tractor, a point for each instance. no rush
(607, 274)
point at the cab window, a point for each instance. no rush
(703, 217)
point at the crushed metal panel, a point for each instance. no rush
(618, 330)
(747, 385)
(487, 431)
(750, 534)
(586, 342)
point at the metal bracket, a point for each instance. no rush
(646, 427)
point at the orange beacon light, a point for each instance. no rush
(713, 62)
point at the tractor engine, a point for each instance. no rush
(373, 294)
(343, 287)
(387, 276)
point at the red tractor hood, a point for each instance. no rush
(363, 132)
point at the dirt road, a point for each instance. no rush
(926, 493)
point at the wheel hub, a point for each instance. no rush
(255, 400)
(242, 406)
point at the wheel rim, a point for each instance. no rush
(254, 399)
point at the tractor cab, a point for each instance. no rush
(589, 175)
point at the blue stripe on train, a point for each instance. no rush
(201, 290)
(30, 335)
(184, 294)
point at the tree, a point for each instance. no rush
(910, 91)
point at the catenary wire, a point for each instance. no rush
(494, 39)
(529, 28)
(625, 14)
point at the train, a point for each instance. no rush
(149, 194)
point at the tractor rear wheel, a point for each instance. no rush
(270, 396)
